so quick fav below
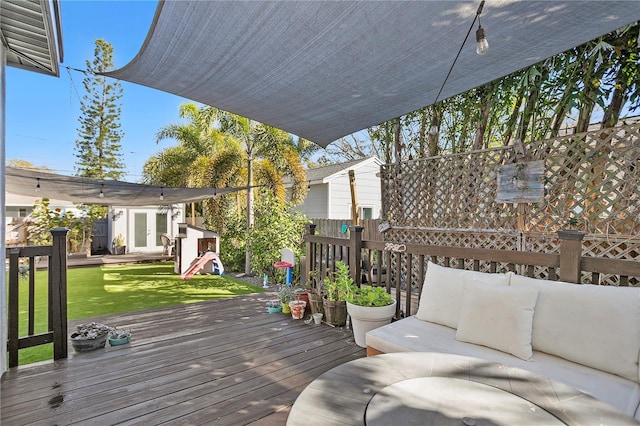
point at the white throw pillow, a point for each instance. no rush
(441, 298)
(596, 326)
(498, 317)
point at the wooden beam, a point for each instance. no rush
(354, 200)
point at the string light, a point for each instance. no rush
(38, 185)
(481, 35)
(161, 193)
(101, 194)
(486, 47)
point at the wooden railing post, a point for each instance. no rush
(310, 264)
(355, 253)
(13, 308)
(570, 255)
(58, 292)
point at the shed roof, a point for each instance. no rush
(326, 173)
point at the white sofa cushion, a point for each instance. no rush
(413, 335)
(441, 298)
(499, 317)
(597, 326)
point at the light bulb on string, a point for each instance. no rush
(161, 193)
(481, 38)
(38, 185)
(101, 194)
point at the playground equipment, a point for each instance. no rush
(197, 251)
(208, 263)
(287, 261)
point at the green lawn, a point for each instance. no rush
(109, 289)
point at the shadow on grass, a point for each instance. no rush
(123, 288)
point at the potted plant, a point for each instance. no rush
(88, 337)
(300, 293)
(369, 308)
(285, 295)
(274, 306)
(119, 337)
(297, 308)
(316, 294)
(120, 248)
(338, 286)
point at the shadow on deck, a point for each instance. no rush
(223, 361)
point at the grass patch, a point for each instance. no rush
(111, 289)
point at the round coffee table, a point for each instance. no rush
(441, 389)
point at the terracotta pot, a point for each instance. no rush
(303, 295)
(297, 308)
(335, 313)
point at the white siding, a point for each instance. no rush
(122, 221)
(367, 192)
(316, 203)
(332, 198)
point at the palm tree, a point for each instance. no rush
(271, 154)
(220, 149)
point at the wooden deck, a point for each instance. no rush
(217, 362)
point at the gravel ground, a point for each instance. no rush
(251, 279)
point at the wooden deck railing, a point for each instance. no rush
(57, 297)
(402, 266)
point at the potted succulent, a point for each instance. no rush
(285, 295)
(369, 308)
(88, 337)
(338, 287)
(274, 306)
(119, 337)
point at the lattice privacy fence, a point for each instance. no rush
(591, 183)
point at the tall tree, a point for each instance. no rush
(98, 149)
(220, 149)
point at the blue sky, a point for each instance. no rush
(42, 111)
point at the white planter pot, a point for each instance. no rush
(367, 318)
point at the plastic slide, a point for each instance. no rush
(201, 262)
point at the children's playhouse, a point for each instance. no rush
(197, 251)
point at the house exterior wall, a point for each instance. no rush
(331, 198)
(126, 222)
(316, 204)
(367, 192)
(18, 210)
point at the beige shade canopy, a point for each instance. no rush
(87, 191)
(325, 69)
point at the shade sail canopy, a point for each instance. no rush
(115, 193)
(323, 70)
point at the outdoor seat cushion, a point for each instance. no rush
(498, 316)
(441, 299)
(597, 326)
(414, 335)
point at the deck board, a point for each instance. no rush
(216, 362)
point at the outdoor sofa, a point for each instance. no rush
(586, 336)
